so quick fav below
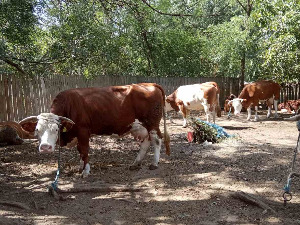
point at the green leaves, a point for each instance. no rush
(278, 39)
(152, 38)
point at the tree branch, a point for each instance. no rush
(178, 14)
(16, 66)
(39, 62)
(242, 6)
(164, 13)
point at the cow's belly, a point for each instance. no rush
(194, 105)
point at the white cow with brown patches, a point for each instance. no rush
(203, 96)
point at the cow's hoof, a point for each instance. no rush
(153, 167)
(135, 167)
(84, 174)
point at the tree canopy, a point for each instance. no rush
(235, 38)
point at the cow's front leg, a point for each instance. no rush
(214, 113)
(207, 112)
(269, 112)
(145, 144)
(256, 118)
(185, 114)
(83, 148)
(249, 112)
(156, 143)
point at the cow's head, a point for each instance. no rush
(236, 103)
(168, 106)
(171, 99)
(46, 127)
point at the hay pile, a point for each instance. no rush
(205, 131)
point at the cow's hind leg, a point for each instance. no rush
(83, 148)
(276, 108)
(249, 112)
(156, 143)
(269, 104)
(145, 144)
(185, 114)
(256, 118)
(213, 112)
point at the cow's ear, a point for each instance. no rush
(29, 123)
(179, 102)
(66, 125)
(29, 126)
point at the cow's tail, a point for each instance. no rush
(166, 134)
(218, 106)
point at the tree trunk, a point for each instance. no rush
(243, 66)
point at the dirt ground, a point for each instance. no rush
(194, 185)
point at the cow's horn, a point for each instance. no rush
(293, 118)
(29, 119)
(65, 118)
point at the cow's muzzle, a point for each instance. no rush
(46, 148)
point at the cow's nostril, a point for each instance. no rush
(45, 148)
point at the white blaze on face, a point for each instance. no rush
(47, 131)
(237, 105)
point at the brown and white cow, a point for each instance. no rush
(227, 107)
(23, 134)
(290, 106)
(253, 93)
(115, 110)
(196, 97)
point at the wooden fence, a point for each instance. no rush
(20, 98)
(290, 92)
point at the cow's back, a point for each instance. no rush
(261, 90)
(110, 110)
(190, 94)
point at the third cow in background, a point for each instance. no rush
(203, 96)
(252, 93)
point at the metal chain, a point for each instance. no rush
(287, 196)
(55, 183)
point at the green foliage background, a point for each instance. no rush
(151, 38)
